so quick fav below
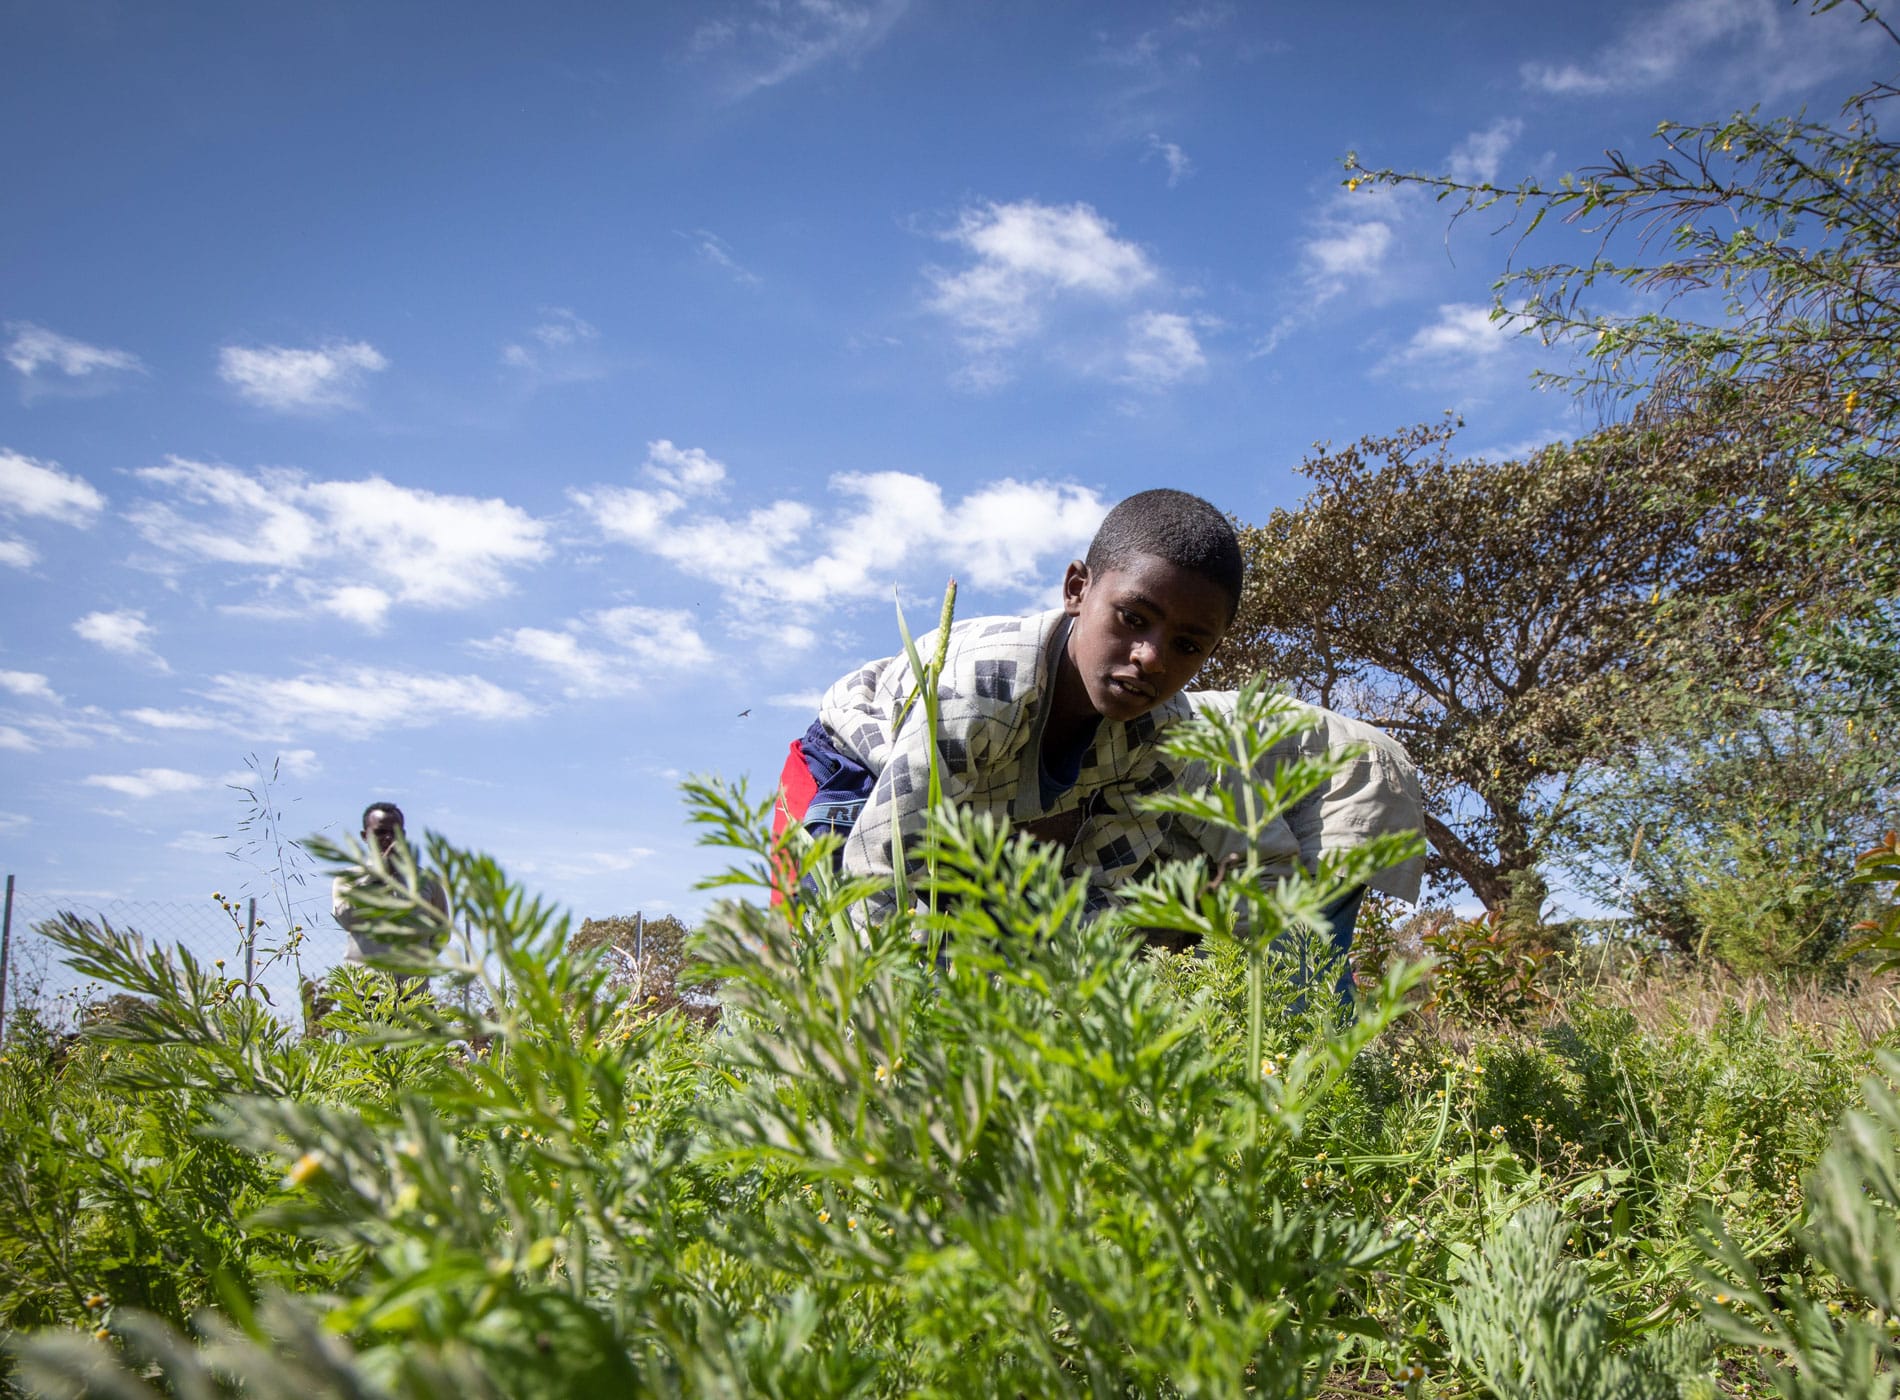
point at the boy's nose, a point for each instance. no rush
(1146, 655)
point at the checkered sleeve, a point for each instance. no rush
(991, 673)
(1377, 791)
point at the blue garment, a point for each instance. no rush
(843, 784)
(1057, 773)
(1342, 916)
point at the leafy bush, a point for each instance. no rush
(1048, 1162)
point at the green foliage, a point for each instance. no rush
(1881, 933)
(1506, 620)
(644, 956)
(1050, 1163)
(1731, 833)
(1526, 1319)
(1842, 1347)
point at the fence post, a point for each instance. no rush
(639, 955)
(6, 950)
(250, 949)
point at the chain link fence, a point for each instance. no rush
(273, 947)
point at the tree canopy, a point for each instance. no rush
(1508, 620)
(1764, 253)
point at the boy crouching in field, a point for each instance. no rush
(1052, 720)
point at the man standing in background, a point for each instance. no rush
(382, 830)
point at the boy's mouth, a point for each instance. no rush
(1129, 686)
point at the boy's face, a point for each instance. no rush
(1141, 631)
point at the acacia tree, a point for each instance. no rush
(1510, 621)
(1791, 227)
(1763, 254)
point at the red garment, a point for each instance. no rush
(796, 788)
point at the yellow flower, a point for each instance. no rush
(96, 1301)
(306, 1167)
(102, 1334)
(824, 1217)
(1268, 1069)
(851, 1222)
(1853, 397)
(883, 1073)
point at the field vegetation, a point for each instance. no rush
(990, 1147)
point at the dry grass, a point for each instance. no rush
(1663, 999)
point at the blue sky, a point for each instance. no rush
(486, 406)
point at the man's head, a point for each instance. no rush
(1158, 591)
(382, 824)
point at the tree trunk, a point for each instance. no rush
(1485, 880)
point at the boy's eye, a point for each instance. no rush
(1187, 646)
(1130, 619)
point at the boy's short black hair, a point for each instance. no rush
(375, 807)
(1178, 527)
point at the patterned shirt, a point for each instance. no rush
(1377, 791)
(998, 674)
(993, 697)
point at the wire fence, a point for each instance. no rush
(279, 947)
(243, 937)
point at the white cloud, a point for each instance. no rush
(13, 821)
(16, 740)
(361, 603)
(35, 348)
(17, 554)
(1050, 271)
(293, 381)
(1769, 48)
(63, 727)
(804, 701)
(1163, 349)
(201, 843)
(28, 685)
(558, 347)
(784, 559)
(361, 700)
(352, 548)
(1176, 159)
(171, 719)
(1463, 330)
(1523, 448)
(1027, 254)
(147, 782)
(1202, 18)
(767, 42)
(614, 652)
(684, 469)
(1475, 160)
(1348, 251)
(35, 488)
(1365, 240)
(123, 633)
(292, 763)
(716, 251)
(580, 865)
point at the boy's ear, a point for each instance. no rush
(1075, 582)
